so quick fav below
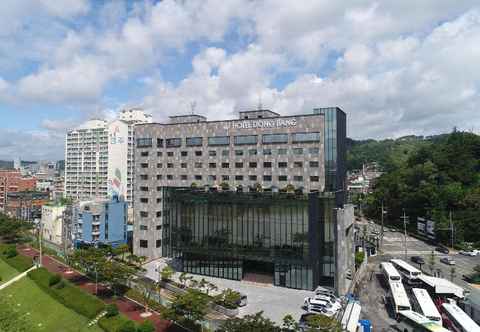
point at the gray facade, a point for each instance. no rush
(260, 151)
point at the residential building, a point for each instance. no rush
(26, 205)
(52, 223)
(100, 221)
(99, 157)
(256, 156)
(13, 181)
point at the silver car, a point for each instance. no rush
(447, 260)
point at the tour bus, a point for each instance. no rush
(409, 272)
(419, 322)
(390, 272)
(425, 305)
(399, 296)
(457, 320)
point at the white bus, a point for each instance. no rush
(390, 272)
(409, 272)
(351, 316)
(425, 305)
(400, 298)
(457, 320)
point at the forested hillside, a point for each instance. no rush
(429, 178)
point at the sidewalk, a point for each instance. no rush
(129, 308)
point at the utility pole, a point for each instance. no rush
(451, 228)
(405, 218)
(381, 233)
(40, 234)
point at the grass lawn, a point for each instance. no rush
(45, 313)
(6, 272)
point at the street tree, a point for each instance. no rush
(188, 309)
(147, 288)
(13, 230)
(251, 323)
(166, 273)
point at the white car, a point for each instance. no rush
(469, 252)
(336, 304)
(319, 306)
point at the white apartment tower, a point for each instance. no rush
(99, 157)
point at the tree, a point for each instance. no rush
(188, 309)
(228, 298)
(166, 273)
(121, 251)
(289, 324)
(13, 230)
(323, 323)
(146, 326)
(251, 323)
(147, 288)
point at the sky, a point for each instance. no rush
(395, 67)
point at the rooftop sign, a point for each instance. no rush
(262, 123)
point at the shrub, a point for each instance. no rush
(113, 324)
(9, 254)
(146, 326)
(112, 310)
(137, 296)
(61, 284)
(69, 295)
(228, 298)
(166, 273)
(359, 257)
(54, 279)
(128, 326)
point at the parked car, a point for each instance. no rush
(320, 307)
(323, 290)
(447, 260)
(336, 304)
(443, 250)
(417, 259)
(472, 253)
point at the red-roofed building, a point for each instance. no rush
(12, 181)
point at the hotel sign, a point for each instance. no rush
(263, 123)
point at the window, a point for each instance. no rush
(158, 214)
(159, 200)
(252, 152)
(143, 214)
(183, 177)
(198, 177)
(282, 178)
(143, 243)
(267, 164)
(298, 151)
(212, 178)
(158, 227)
(194, 141)
(170, 154)
(144, 165)
(245, 139)
(159, 165)
(143, 188)
(144, 153)
(198, 165)
(159, 176)
(144, 142)
(169, 177)
(239, 152)
(225, 177)
(159, 153)
(267, 178)
(238, 165)
(314, 178)
(282, 164)
(274, 138)
(159, 188)
(184, 153)
(238, 177)
(159, 142)
(282, 151)
(297, 164)
(143, 228)
(212, 153)
(169, 165)
(305, 137)
(314, 150)
(143, 177)
(183, 165)
(314, 164)
(252, 164)
(225, 153)
(225, 165)
(267, 152)
(198, 153)
(173, 142)
(144, 200)
(298, 178)
(212, 165)
(158, 243)
(252, 177)
(219, 140)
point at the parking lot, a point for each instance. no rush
(275, 302)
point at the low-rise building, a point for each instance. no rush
(100, 221)
(13, 181)
(26, 205)
(52, 223)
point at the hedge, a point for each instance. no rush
(113, 324)
(69, 295)
(19, 262)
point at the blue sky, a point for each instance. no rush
(396, 68)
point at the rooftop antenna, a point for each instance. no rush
(193, 104)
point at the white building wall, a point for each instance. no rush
(52, 223)
(118, 141)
